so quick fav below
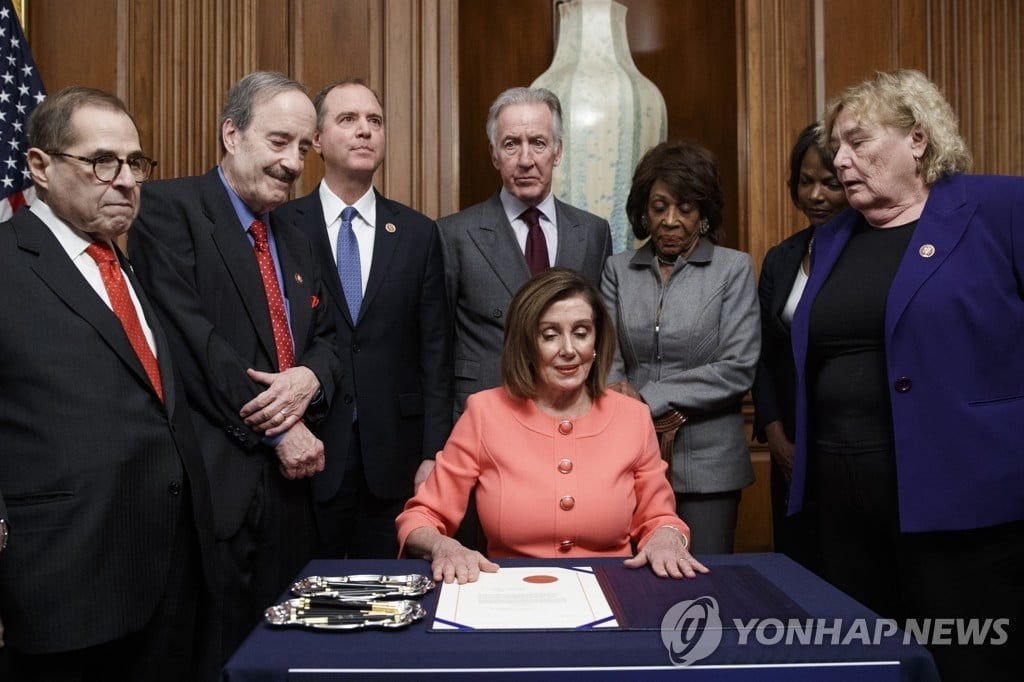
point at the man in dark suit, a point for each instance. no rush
(240, 294)
(104, 503)
(492, 248)
(393, 411)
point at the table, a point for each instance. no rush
(763, 651)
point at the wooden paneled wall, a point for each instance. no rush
(172, 61)
(743, 77)
(799, 53)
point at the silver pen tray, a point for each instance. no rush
(328, 614)
(363, 587)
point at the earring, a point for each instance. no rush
(704, 225)
(644, 222)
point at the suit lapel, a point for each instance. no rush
(385, 242)
(309, 218)
(938, 230)
(62, 276)
(572, 239)
(829, 241)
(163, 350)
(237, 253)
(497, 243)
(789, 262)
(297, 281)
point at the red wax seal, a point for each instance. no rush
(540, 579)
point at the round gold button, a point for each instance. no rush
(567, 502)
(565, 427)
(564, 466)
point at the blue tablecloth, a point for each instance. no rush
(759, 586)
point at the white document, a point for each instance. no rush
(538, 598)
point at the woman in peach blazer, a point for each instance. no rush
(559, 466)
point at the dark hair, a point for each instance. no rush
(691, 173)
(519, 354)
(321, 95)
(49, 125)
(808, 139)
(253, 89)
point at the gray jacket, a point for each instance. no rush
(485, 267)
(699, 358)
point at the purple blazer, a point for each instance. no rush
(954, 342)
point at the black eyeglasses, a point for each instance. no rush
(106, 167)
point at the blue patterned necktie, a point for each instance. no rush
(348, 263)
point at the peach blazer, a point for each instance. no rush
(547, 487)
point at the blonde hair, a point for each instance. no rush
(903, 99)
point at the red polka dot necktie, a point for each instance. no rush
(536, 246)
(121, 303)
(272, 287)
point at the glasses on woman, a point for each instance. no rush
(106, 167)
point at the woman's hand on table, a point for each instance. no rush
(452, 561)
(667, 554)
(449, 559)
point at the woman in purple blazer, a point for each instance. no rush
(910, 391)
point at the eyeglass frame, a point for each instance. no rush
(120, 164)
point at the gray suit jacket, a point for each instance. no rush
(703, 360)
(484, 269)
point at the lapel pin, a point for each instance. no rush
(926, 251)
(390, 227)
(298, 278)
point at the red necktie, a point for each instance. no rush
(536, 246)
(272, 287)
(121, 302)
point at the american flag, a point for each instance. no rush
(20, 91)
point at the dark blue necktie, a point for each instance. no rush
(348, 263)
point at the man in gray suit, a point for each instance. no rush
(492, 248)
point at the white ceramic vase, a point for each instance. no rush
(611, 112)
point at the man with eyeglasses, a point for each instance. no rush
(241, 294)
(106, 531)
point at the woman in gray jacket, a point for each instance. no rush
(689, 336)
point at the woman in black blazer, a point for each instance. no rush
(819, 195)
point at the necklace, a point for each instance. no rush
(665, 262)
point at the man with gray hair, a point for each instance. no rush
(492, 248)
(108, 571)
(241, 296)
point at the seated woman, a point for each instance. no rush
(561, 468)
